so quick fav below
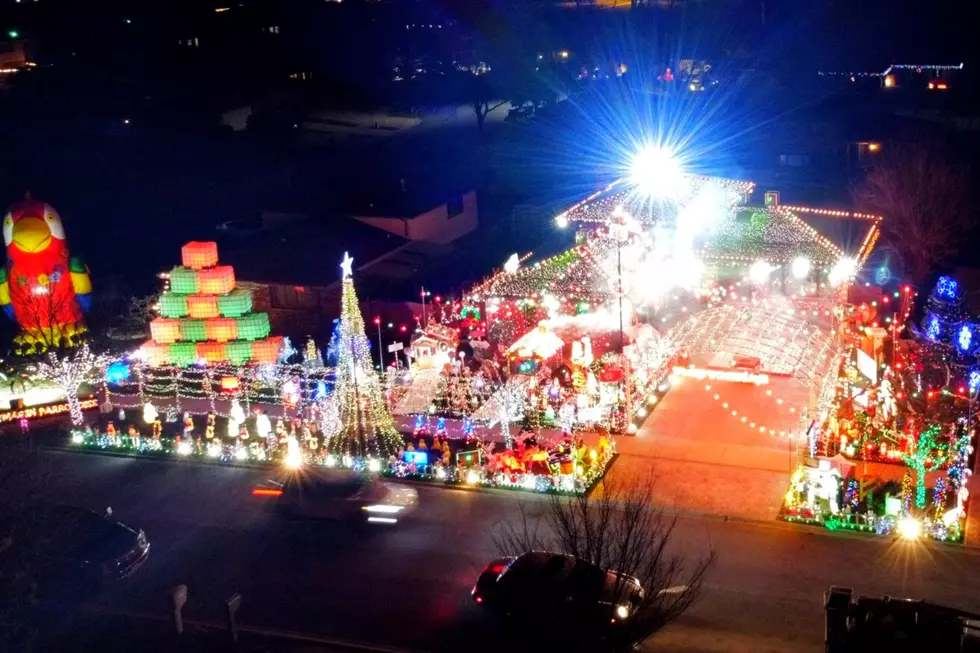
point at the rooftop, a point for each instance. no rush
(302, 249)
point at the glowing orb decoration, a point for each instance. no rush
(512, 264)
(964, 338)
(374, 465)
(656, 172)
(933, 328)
(800, 267)
(117, 372)
(947, 287)
(842, 271)
(760, 271)
(185, 448)
(909, 528)
(561, 221)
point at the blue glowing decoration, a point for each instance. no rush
(933, 328)
(321, 390)
(947, 288)
(964, 340)
(974, 381)
(417, 457)
(419, 423)
(441, 425)
(467, 427)
(527, 366)
(882, 275)
(117, 372)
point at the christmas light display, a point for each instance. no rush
(204, 317)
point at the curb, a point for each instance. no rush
(265, 632)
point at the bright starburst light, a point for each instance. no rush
(656, 171)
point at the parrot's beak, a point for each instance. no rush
(31, 234)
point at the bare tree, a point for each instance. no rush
(68, 370)
(923, 195)
(622, 532)
(134, 324)
(41, 320)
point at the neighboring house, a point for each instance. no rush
(441, 221)
(290, 260)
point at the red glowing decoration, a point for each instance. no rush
(42, 288)
(230, 383)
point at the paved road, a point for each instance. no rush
(409, 585)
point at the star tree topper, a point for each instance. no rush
(345, 266)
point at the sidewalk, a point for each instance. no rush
(95, 629)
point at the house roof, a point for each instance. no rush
(405, 195)
(303, 249)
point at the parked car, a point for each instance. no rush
(65, 548)
(540, 582)
(309, 493)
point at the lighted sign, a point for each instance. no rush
(230, 383)
(417, 457)
(867, 366)
(35, 412)
(722, 375)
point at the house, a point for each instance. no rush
(427, 220)
(290, 258)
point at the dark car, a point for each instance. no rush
(66, 548)
(345, 497)
(539, 582)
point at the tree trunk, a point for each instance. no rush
(74, 407)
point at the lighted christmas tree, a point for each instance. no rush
(366, 427)
(945, 314)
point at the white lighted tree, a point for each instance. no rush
(68, 370)
(365, 426)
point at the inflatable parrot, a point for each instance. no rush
(41, 287)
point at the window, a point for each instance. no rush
(794, 160)
(454, 207)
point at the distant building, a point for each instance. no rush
(13, 56)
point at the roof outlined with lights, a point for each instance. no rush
(572, 273)
(597, 207)
(734, 233)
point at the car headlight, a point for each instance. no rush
(622, 611)
(382, 508)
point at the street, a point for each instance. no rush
(408, 585)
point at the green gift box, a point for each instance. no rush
(193, 330)
(184, 281)
(239, 351)
(253, 327)
(183, 354)
(173, 305)
(236, 303)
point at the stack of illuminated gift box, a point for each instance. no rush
(204, 318)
